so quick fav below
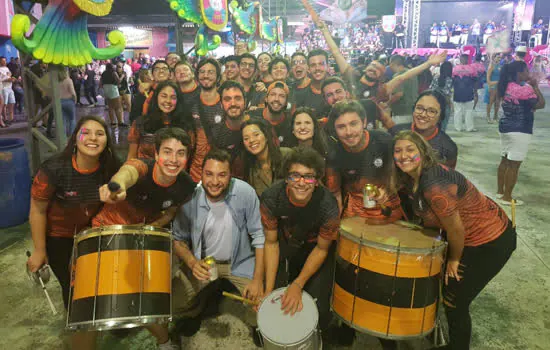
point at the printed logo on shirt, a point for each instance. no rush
(71, 193)
(366, 93)
(143, 197)
(196, 116)
(370, 126)
(352, 171)
(167, 204)
(230, 146)
(420, 206)
(281, 138)
(378, 162)
(218, 119)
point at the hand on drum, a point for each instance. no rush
(36, 261)
(106, 196)
(452, 271)
(201, 270)
(254, 290)
(292, 299)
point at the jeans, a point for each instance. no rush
(90, 93)
(464, 110)
(68, 109)
(59, 251)
(480, 264)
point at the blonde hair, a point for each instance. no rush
(427, 154)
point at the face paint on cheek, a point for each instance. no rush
(82, 131)
(416, 158)
(161, 161)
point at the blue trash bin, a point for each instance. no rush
(15, 182)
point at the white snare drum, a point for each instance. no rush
(280, 331)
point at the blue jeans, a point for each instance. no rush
(68, 109)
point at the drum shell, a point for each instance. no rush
(121, 278)
(388, 294)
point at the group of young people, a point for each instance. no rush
(255, 166)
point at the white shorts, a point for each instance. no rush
(8, 96)
(514, 145)
(110, 91)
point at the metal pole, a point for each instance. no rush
(178, 35)
(56, 106)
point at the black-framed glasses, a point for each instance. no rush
(430, 112)
(297, 62)
(296, 177)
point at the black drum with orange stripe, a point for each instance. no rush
(121, 278)
(387, 279)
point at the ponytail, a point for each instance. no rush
(509, 74)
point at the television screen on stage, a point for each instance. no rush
(343, 11)
(523, 15)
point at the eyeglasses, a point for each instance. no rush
(297, 62)
(161, 69)
(296, 177)
(247, 65)
(430, 112)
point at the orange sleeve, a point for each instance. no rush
(329, 230)
(140, 166)
(42, 189)
(133, 134)
(268, 220)
(443, 199)
(147, 103)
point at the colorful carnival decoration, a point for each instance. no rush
(247, 20)
(208, 14)
(61, 34)
(280, 31)
(269, 29)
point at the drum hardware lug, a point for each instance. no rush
(257, 330)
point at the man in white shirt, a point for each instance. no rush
(8, 96)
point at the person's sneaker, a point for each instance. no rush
(499, 195)
(257, 337)
(187, 327)
(518, 202)
(91, 105)
(169, 345)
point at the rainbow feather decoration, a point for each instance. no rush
(269, 29)
(61, 35)
(244, 18)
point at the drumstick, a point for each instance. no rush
(44, 288)
(513, 213)
(239, 298)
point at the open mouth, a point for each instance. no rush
(254, 146)
(93, 146)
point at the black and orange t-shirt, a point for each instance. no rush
(443, 192)
(446, 148)
(72, 193)
(282, 128)
(299, 225)
(375, 91)
(348, 172)
(147, 199)
(312, 98)
(191, 101)
(143, 139)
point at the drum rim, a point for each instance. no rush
(313, 331)
(120, 322)
(392, 248)
(134, 229)
(378, 334)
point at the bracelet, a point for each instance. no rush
(298, 284)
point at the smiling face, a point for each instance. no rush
(299, 67)
(208, 76)
(427, 113)
(232, 70)
(215, 179)
(91, 139)
(263, 63)
(301, 183)
(318, 67)
(276, 100)
(171, 158)
(172, 59)
(233, 103)
(254, 140)
(374, 71)
(303, 127)
(279, 71)
(247, 68)
(349, 130)
(407, 156)
(334, 92)
(161, 72)
(183, 74)
(167, 100)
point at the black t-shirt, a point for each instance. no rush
(227, 139)
(210, 117)
(191, 102)
(441, 142)
(299, 227)
(307, 97)
(148, 195)
(282, 130)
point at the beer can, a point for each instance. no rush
(210, 261)
(368, 192)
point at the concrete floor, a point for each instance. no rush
(511, 313)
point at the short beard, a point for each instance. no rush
(240, 116)
(272, 111)
(220, 196)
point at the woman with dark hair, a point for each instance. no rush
(264, 60)
(491, 96)
(430, 111)
(307, 132)
(109, 81)
(444, 84)
(65, 197)
(165, 110)
(263, 160)
(481, 238)
(519, 101)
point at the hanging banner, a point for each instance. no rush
(389, 23)
(214, 13)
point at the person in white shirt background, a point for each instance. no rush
(8, 96)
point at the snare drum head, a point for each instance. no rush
(121, 229)
(287, 329)
(391, 235)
